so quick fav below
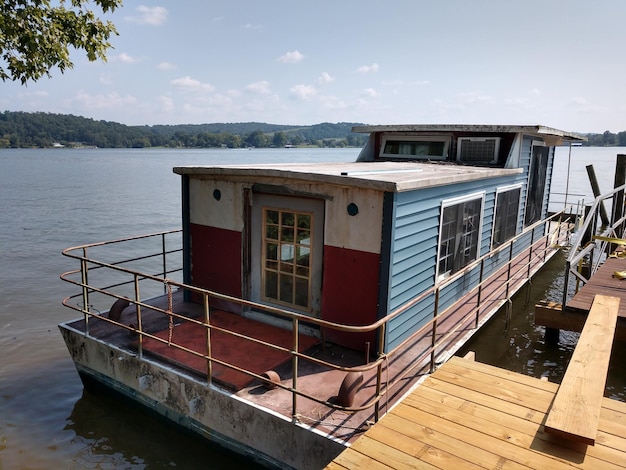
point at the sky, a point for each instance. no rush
(558, 63)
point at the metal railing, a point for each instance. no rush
(519, 266)
(593, 240)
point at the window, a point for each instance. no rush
(478, 149)
(506, 213)
(427, 148)
(459, 233)
(287, 247)
(536, 184)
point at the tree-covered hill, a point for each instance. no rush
(21, 129)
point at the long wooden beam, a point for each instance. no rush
(576, 407)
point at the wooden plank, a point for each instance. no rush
(481, 435)
(576, 408)
(516, 419)
(486, 386)
(352, 458)
(388, 455)
(403, 438)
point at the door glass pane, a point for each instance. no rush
(271, 284)
(286, 288)
(287, 249)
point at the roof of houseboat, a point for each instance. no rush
(390, 176)
(544, 131)
(382, 176)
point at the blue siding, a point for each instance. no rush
(413, 254)
(546, 195)
(524, 163)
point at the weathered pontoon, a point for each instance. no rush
(300, 301)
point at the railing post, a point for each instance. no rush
(480, 291)
(163, 254)
(379, 375)
(433, 340)
(508, 267)
(209, 365)
(379, 371)
(530, 252)
(294, 370)
(138, 311)
(84, 278)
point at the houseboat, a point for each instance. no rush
(299, 302)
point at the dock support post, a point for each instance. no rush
(552, 335)
(596, 192)
(590, 229)
(618, 203)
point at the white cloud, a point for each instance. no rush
(124, 58)
(292, 57)
(324, 78)
(401, 82)
(475, 97)
(149, 15)
(442, 107)
(262, 87)
(516, 101)
(303, 92)
(166, 104)
(103, 101)
(370, 92)
(188, 83)
(166, 66)
(583, 105)
(252, 27)
(368, 68)
(33, 94)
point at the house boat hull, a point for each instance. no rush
(209, 411)
(313, 297)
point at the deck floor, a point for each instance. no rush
(472, 415)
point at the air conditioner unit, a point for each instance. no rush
(478, 149)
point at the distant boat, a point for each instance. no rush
(315, 295)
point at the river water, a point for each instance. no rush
(53, 199)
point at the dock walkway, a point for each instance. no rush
(472, 415)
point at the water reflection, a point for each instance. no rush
(111, 432)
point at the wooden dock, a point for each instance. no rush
(604, 283)
(572, 317)
(472, 415)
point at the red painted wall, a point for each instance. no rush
(216, 260)
(350, 294)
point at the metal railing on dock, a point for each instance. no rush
(594, 240)
(99, 282)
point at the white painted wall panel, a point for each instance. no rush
(225, 213)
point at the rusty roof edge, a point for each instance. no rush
(526, 129)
